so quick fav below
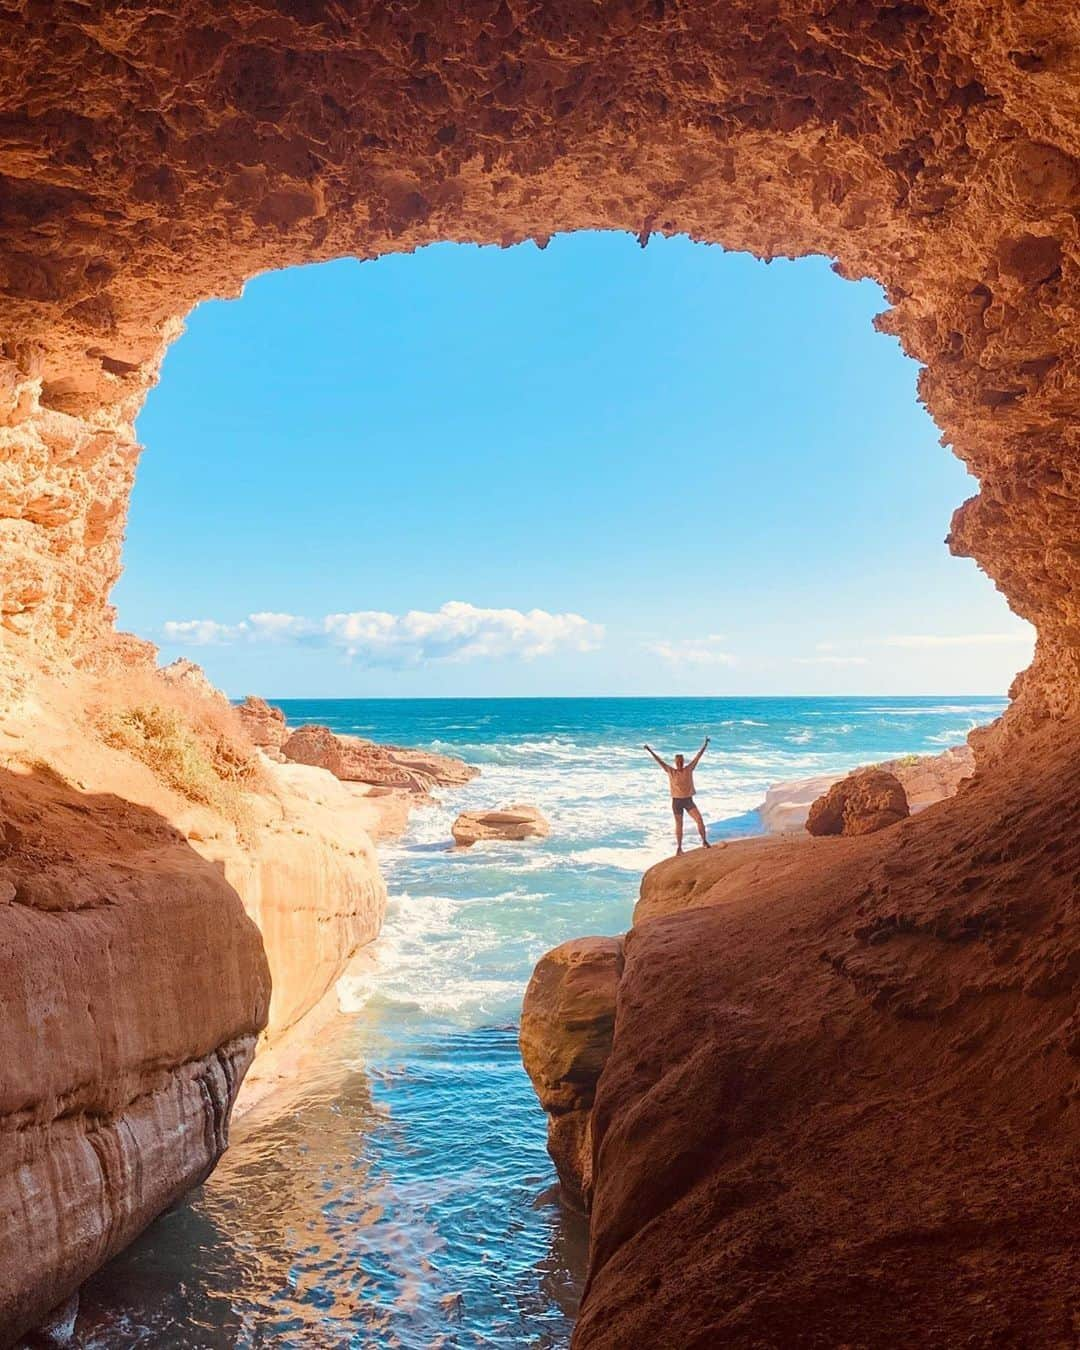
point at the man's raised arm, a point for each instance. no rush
(659, 761)
(697, 758)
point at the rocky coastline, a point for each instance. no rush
(568, 1014)
(144, 828)
(799, 1030)
(840, 1104)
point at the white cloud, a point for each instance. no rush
(704, 651)
(202, 632)
(830, 660)
(456, 632)
(959, 639)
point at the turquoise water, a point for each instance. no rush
(400, 1195)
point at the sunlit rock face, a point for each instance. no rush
(133, 987)
(152, 933)
(151, 156)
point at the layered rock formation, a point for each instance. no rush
(512, 823)
(926, 779)
(134, 988)
(864, 802)
(355, 760)
(141, 837)
(820, 1121)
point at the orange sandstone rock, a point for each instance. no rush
(926, 779)
(511, 823)
(356, 760)
(134, 984)
(863, 802)
(567, 1024)
(265, 725)
(165, 157)
(839, 1106)
(134, 988)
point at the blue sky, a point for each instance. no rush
(593, 469)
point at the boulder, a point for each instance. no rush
(862, 803)
(347, 757)
(265, 725)
(567, 1027)
(314, 745)
(511, 822)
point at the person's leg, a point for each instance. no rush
(678, 828)
(700, 824)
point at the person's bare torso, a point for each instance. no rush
(681, 781)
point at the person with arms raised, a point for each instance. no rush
(681, 783)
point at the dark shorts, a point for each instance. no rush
(681, 804)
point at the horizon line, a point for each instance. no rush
(556, 698)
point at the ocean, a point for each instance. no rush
(399, 1194)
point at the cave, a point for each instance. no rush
(754, 1181)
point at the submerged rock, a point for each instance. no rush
(862, 803)
(511, 823)
(567, 1027)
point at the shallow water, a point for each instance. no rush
(401, 1195)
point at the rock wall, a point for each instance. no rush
(134, 988)
(840, 1101)
(139, 933)
(309, 877)
(567, 1023)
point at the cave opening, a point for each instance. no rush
(931, 146)
(295, 471)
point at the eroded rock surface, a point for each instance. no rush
(163, 156)
(820, 1124)
(136, 849)
(264, 724)
(567, 1025)
(513, 823)
(862, 803)
(840, 1105)
(134, 988)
